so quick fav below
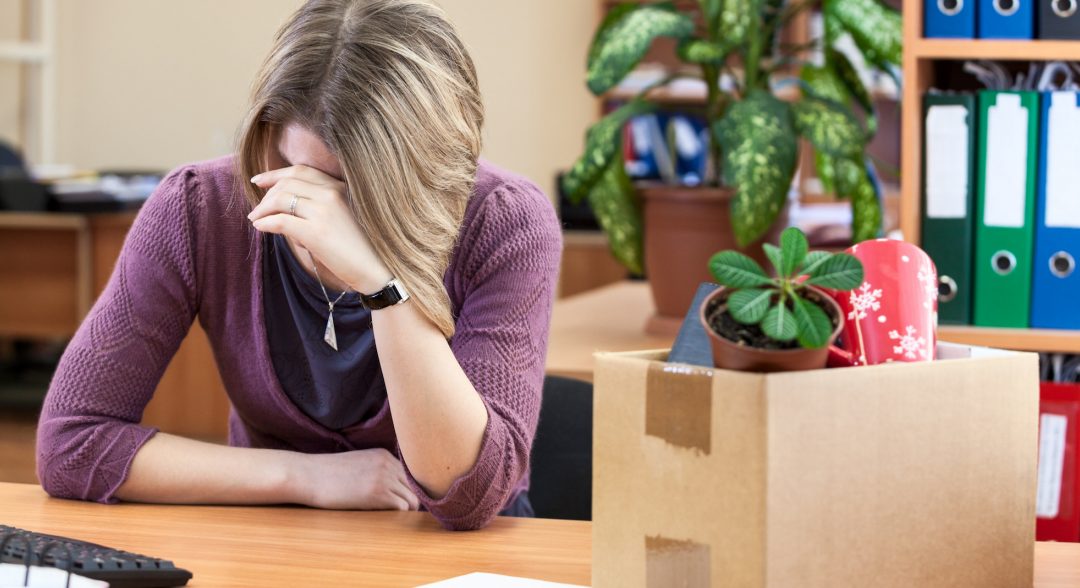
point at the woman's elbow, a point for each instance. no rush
(475, 521)
(52, 480)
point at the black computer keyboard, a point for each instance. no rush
(121, 569)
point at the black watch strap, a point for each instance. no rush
(393, 293)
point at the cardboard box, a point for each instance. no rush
(913, 474)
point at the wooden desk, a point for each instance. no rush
(280, 546)
(284, 546)
(611, 318)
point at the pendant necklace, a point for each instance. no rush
(329, 335)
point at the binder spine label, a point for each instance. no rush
(947, 181)
(1063, 162)
(1006, 154)
(1052, 429)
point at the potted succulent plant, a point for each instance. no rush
(734, 46)
(784, 323)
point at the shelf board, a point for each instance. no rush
(995, 49)
(659, 96)
(42, 220)
(1047, 340)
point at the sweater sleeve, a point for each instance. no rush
(89, 429)
(511, 263)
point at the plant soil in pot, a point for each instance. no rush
(784, 323)
(736, 346)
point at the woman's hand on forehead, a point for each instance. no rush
(313, 208)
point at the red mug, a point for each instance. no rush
(892, 316)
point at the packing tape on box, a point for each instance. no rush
(669, 562)
(679, 409)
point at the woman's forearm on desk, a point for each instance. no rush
(177, 470)
(171, 469)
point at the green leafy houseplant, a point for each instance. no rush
(782, 307)
(754, 134)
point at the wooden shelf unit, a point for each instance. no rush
(919, 57)
(994, 49)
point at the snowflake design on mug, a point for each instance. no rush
(910, 345)
(929, 283)
(863, 300)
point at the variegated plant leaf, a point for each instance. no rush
(759, 149)
(629, 38)
(829, 126)
(833, 29)
(826, 171)
(855, 182)
(737, 18)
(703, 52)
(823, 82)
(603, 32)
(602, 141)
(875, 28)
(613, 201)
(841, 66)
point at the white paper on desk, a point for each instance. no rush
(482, 580)
(11, 575)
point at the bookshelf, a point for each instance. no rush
(919, 57)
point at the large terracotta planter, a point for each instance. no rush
(684, 227)
(730, 355)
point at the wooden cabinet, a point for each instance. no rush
(587, 263)
(55, 265)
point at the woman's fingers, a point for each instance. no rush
(296, 172)
(406, 493)
(285, 224)
(282, 202)
(402, 487)
(279, 198)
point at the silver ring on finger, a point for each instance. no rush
(292, 205)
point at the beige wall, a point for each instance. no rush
(531, 60)
(10, 87)
(154, 83)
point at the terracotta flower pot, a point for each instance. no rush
(730, 355)
(684, 227)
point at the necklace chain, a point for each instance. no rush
(315, 267)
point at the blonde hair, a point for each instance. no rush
(391, 90)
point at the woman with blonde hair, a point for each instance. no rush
(377, 299)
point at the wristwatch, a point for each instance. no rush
(393, 293)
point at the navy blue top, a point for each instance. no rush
(337, 389)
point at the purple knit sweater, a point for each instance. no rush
(192, 253)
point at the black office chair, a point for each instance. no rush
(561, 482)
(10, 161)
